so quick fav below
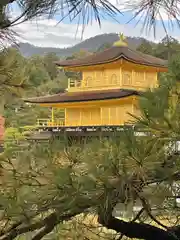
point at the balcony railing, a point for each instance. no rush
(72, 83)
(46, 122)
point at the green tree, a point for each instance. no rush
(103, 47)
(13, 74)
(82, 53)
(167, 48)
(52, 87)
(16, 112)
(50, 66)
(145, 47)
(37, 72)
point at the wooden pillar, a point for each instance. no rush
(69, 83)
(52, 114)
(120, 76)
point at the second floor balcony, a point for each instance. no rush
(139, 80)
(47, 122)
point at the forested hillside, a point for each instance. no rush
(166, 49)
(91, 44)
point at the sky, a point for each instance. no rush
(50, 33)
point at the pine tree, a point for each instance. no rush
(150, 167)
(45, 185)
(13, 76)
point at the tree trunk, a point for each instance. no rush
(139, 230)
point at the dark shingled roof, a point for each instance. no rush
(113, 54)
(83, 96)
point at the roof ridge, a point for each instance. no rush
(83, 96)
(151, 56)
(113, 54)
(137, 53)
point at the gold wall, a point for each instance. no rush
(113, 76)
(98, 113)
(101, 115)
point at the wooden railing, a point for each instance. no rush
(46, 122)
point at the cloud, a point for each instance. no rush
(47, 33)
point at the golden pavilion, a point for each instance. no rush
(109, 89)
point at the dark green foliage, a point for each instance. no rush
(37, 71)
(174, 67)
(146, 47)
(34, 76)
(50, 66)
(167, 49)
(104, 47)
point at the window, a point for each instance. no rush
(100, 77)
(114, 79)
(126, 78)
(139, 78)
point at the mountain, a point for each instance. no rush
(91, 44)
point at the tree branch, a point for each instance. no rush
(136, 230)
(46, 225)
(148, 210)
(134, 219)
(47, 229)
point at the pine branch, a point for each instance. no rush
(14, 226)
(148, 210)
(15, 85)
(134, 219)
(136, 230)
(45, 226)
(87, 10)
(47, 229)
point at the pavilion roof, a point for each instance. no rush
(68, 97)
(113, 54)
